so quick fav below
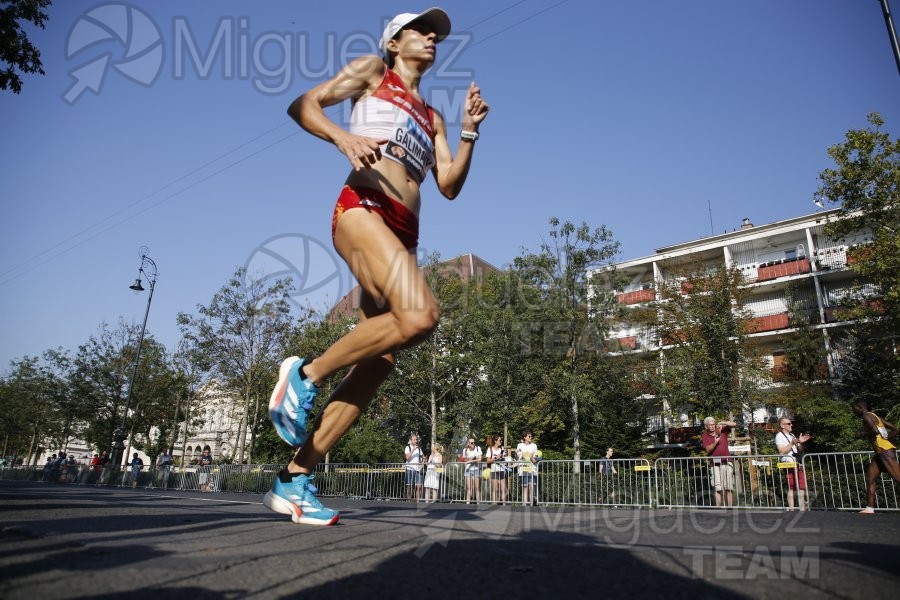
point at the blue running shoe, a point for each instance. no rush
(291, 402)
(295, 496)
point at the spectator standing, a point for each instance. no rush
(71, 469)
(472, 457)
(496, 459)
(606, 466)
(789, 447)
(433, 473)
(104, 467)
(527, 453)
(715, 444)
(164, 464)
(879, 432)
(205, 468)
(48, 468)
(136, 466)
(93, 470)
(414, 460)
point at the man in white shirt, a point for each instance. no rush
(164, 464)
(789, 447)
(414, 460)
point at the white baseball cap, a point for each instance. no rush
(435, 17)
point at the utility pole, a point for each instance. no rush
(892, 32)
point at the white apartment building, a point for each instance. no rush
(793, 254)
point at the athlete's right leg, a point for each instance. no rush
(388, 272)
(873, 472)
(404, 313)
(889, 464)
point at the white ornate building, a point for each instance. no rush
(219, 412)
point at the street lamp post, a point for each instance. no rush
(148, 269)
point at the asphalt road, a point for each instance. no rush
(68, 541)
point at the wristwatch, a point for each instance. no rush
(469, 135)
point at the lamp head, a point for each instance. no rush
(136, 286)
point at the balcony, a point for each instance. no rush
(836, 314)
(680, 435)
(622, 344)
(699, 285)
(783, 268)
(672, 338)
(831, 258)
(783, 373)
(858, 254)
(768, 322)
(636, 297)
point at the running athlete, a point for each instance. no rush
(395, 138)
(878, 431)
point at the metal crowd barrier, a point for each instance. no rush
(834, 481)
(616, 482)
(837, 481)
(750, 481)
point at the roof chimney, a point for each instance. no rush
(746, 224)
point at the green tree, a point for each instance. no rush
(27, 408)
(708, 365)
(510, 371)
(189, 366)
(430, 387)
(804, 390)
(243, 332)
(865, 183)
(16, 50)
(101, 368)
(367, 442)
(571, 324)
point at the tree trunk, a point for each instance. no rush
(576, 433)
(31, 447)
(187, 424)
(175, 428)
(433, 402)
(253, 429)
(242, 429)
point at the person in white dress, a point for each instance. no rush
(433, 473)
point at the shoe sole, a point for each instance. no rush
(276, 503)
(285, 431)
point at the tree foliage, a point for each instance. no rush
(865, 183)
(243, 332)
(570, 322)
(16, 51)
(708, 364)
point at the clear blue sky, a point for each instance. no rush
(636, 115)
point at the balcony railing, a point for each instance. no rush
(835, 314)
(831, 258)
(768, 323)
(636, 297)
(629, 342)
(783, 268)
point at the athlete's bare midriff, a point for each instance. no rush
(392, 179)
